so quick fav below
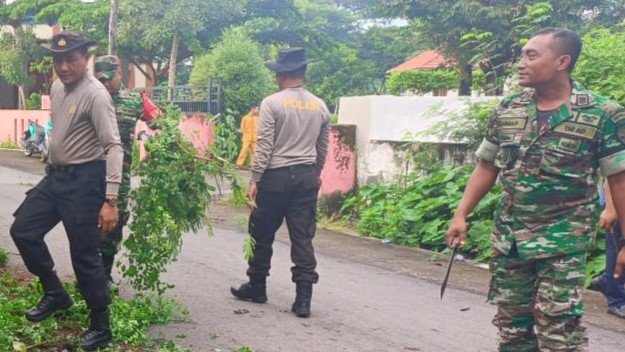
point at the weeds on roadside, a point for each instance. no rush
(130, 319)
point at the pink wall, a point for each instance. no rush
(339, 173)
(199, 130)
(14, 122)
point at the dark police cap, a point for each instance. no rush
(289, 59)
(67, 41)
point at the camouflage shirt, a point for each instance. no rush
(128, 109)
(549, 176)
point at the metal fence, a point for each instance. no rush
(207, 98)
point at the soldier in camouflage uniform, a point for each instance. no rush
(129, 108)
(545, 145)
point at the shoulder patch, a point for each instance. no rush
(618, 117)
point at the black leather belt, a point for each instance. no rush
(293, 168)
(60, 168)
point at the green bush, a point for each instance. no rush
(601, 65)
(424, 81)
(419, 213)
(33, 102)
(237, 60)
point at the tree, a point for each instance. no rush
(446, 22)
(18, 50)
(389, 46)
(237, 60)
(113, 19)
(161, 33)
(606, 47)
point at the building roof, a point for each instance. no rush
(428, 60)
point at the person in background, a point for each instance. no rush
(611, 287)
(249, 129)
(130, 107)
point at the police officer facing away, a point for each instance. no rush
(291, 152)
(79, 189)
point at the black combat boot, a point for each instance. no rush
(301, 306)
(255, 290)
(107, 262)
(99, 334)
(54, 299)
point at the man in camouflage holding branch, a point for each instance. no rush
(545, 145)
(129, 107)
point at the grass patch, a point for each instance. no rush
(4, 257)
(9, 144)
(130, 319)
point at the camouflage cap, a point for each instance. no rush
(106, 66)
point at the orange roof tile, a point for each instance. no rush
(428, 60)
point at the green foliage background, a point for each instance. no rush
(237, 59)
(421, 82)
(601, 66)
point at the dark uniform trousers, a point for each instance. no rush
(73, 195)
(289, 192)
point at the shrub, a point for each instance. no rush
(237, 60)
(419, 213)
(420, 82)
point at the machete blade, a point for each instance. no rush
(451, 262)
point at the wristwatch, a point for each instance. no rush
(112, 201)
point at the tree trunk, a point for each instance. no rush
(465, 78)
(21, 97)
(113, 20)
(172, 65)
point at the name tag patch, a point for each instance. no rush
(516, 123)
(589, 119)
(570, 145)
(577, 129)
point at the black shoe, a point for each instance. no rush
(256, 293)
(91, 340)
(50, 303)
(617, 312)
(301, 306)
(597, 285)
(99, 334)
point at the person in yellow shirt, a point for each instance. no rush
(249, 129)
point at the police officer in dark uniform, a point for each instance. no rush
(79, 189)
(291, 152)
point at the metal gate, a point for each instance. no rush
(206, 98)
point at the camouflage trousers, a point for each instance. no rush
(110, 242)
(539, 302)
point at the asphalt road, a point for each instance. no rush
(371, 296)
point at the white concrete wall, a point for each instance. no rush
(383, 122)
